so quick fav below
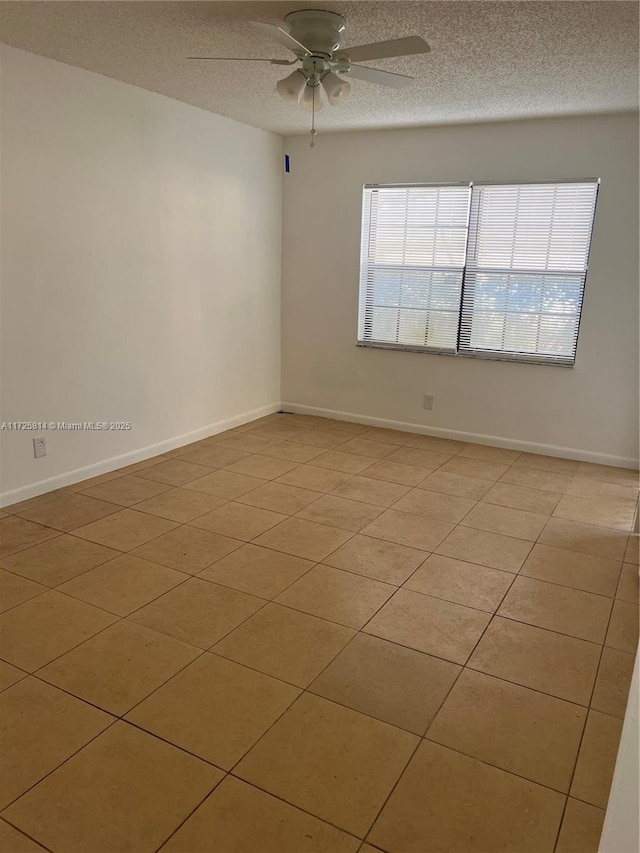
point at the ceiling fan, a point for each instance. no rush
(315, 37)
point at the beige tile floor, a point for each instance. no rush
(308, 636)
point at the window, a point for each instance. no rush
(496, 271)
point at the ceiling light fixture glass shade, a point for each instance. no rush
(291, 87)
(306, 101)
(336, 88)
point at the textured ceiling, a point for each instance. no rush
(488, 60)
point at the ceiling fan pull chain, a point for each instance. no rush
(313, 119)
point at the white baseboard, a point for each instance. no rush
(113, 463)
(476, 438)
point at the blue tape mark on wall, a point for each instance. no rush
(286, 163)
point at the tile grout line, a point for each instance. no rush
(26, 834)
(58, 766)
(448, 693)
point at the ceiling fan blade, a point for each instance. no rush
(282, 36)
(382, 78)
(386, 49)
(228, 59)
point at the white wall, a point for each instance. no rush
(588, 411)
(141, 242)
(621, 832)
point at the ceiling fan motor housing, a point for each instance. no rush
(320, 31)
(314, 68)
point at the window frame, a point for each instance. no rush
(491, 355)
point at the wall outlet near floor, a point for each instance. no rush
(39, 447)
(427, 402)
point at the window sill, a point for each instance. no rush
(487, 356)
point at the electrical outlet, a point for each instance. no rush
(427, 402)
(39, 447)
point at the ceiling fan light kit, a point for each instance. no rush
(336, 88)
(290, 88)
(311, 99)
(315, 38)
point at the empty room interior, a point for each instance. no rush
(319, 427)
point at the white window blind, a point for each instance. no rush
(526, 270)
(412, 260)
(486, 270)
